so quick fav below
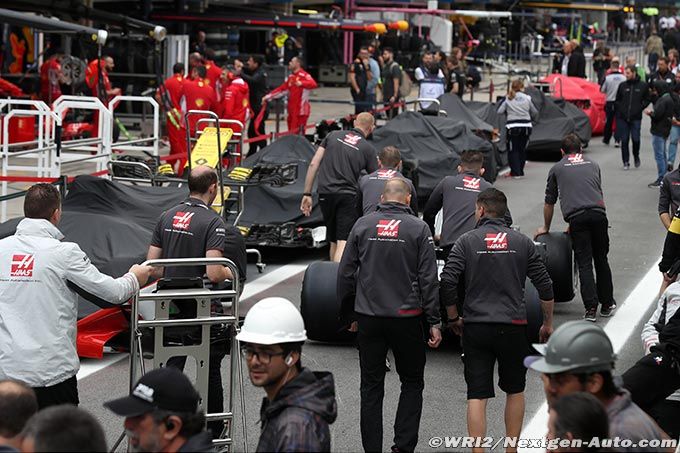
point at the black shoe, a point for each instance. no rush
(654, 185)
(606, 142)
(591, 315)
(637, 162)
(607, 311)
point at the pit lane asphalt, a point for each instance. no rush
(636, 241)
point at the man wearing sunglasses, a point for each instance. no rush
(579, 357)
(300, 404)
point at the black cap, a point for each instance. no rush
(164, 388)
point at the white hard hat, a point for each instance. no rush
(271, 321)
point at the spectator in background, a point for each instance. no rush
(639, 70)
(63, 428)
(671, 39)
(271, 52)
(440, 59)
(631, 98)
(578, 416)
(359, 75)
(675, 129)
(610, 87)
(292, 48)
(162, 414)
(663, 73)
(199, 45)
(578, 60)
(430, 79)
(654, 50)
(673, 58)
(373, 82)
(457, 78)
(17, 404)
(391, 79)
(601, 61)
(256, 78)
(661, 116)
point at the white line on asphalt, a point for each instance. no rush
(91, 366)
(273, 278)
(263, 283)
(618, 329)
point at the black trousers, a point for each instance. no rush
(590, 241)
(255, 146)
(652, 379)
(404, 336)
(63, 393)
(610, 111)
(518, 139)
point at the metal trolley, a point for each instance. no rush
(160, 302)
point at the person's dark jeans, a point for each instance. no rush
(518, 139)
(590, 241)
(628, 130)
(652, 379)
(404, 336)
(255, 146)
(610, 112)
(652, 60)
(370, 98)
(63, 393)
(360, 99)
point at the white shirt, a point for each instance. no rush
(565, 65)
(430, 87)
(38, 311)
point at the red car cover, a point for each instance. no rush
(586, 95)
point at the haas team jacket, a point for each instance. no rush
(389, 267)
(496, 260)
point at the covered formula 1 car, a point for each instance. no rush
(112, 223)
(556, 118)
(271, 215)
(583, 94)
(435, 143)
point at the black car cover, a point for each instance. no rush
(456, 109)
(277, 205)
(111, 222)
(434, 142)
(555, 120)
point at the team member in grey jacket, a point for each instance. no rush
(387, 281)
(371, 186)
(496, 261)
(610, 87)
(519, 110)
(39, 302)
(669, 197)
(577, 182)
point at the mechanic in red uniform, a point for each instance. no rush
(174, 117)
(213, 70)
(50, 76)
(297, 85)
(235, 98)
(92, 78)
(197, 95)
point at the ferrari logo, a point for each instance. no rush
(200, 102)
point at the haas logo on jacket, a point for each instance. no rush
(22, 266)
(471, 183)
(388, 228)
(575, 158)
(182, 220)
(352, 139)
(496, 241)
(386, 174)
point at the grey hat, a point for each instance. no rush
(576, 346)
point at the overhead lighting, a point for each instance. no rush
(308, 11)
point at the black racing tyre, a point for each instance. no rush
(534, 311)
(559, 261)
(320, 307)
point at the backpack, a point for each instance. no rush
(405, 83)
